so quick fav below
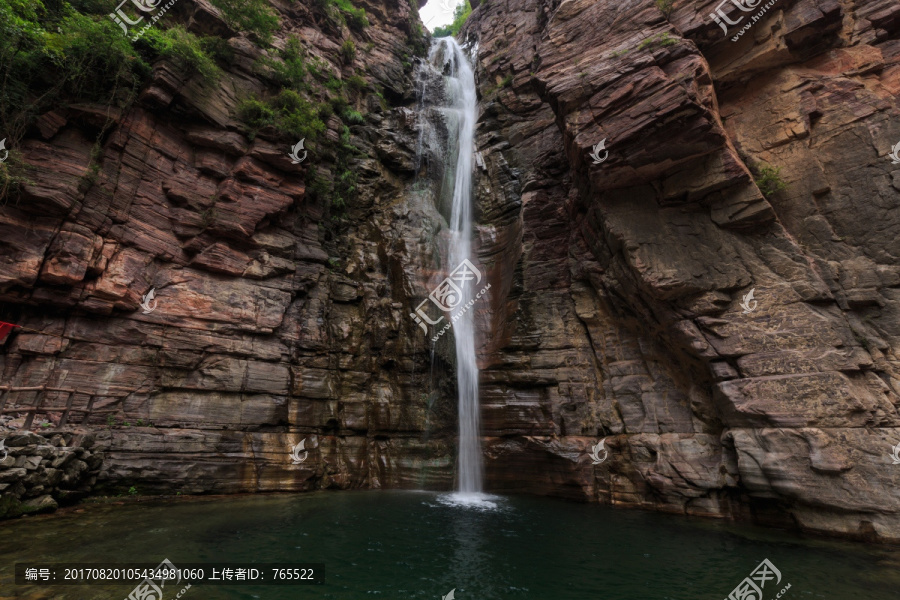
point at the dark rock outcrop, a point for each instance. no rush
(38, 472)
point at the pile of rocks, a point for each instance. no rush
(38, 472)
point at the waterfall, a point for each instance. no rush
(462, 98)
(460, 114)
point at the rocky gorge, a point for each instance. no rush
(282, 303)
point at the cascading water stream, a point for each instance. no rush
(461, 92)
(460, 112)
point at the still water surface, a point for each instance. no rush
(420, 545)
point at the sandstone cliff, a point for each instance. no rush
(620, 315)
(614, 309)
(280, 313)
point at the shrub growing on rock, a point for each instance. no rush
(665, 7)
(769, 180)
(348, 51)
(288, 114)
(355, 17)
(255, 16)
(291, 70)
(185, 50)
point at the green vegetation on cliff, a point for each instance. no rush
(288, 113)
(255, 16)
(343, 12)
(185, 50)
(61, 53)
(769, 180)
(52, 53)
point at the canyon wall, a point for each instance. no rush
(622, 275)
(280, 315)
(616, 286)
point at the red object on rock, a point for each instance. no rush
(5, 328)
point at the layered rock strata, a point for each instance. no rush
(278, 316)
(623, 275)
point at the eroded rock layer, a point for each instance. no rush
(279, 316)
(623, 274)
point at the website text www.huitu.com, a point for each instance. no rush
(754, 19)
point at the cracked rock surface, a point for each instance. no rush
(620, 315)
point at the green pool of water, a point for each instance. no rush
(410, 545)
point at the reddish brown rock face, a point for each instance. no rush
(276, 317)
(616, 286)
(619, 284)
